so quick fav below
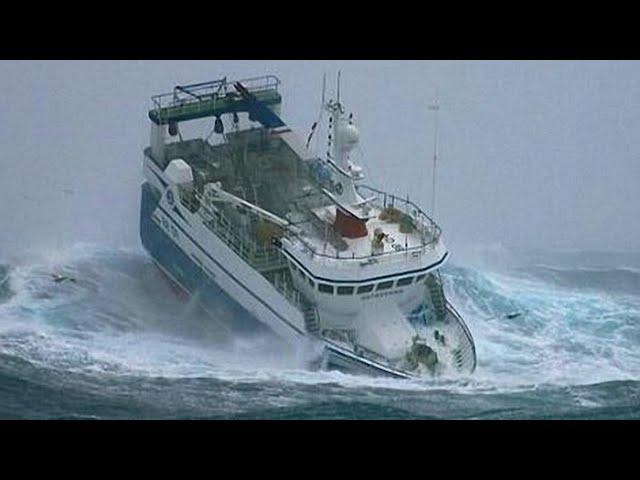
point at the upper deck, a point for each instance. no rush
(412, 240)
(218, 97)
(267, 168)
(407, 228)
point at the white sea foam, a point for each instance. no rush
(121, 319)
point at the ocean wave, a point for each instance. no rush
(617, 280)
(120, 321)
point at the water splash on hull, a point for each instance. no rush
(121, 344)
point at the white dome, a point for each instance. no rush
(349, 136)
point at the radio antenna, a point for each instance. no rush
(322, 106)
(324, 87)
(435, 107)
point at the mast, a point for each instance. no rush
(322, 107)
(435, 107)
(324, 88)
(352, 211)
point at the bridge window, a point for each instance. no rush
(324, 288)
(404, 281)
(419, 278)
(311, 283)
(384, 285)
(345, 290)
(365, 288)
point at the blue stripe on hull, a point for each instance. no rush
(189, 275)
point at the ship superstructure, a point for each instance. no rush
(250, 216)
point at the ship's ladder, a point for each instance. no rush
(436, 294)
(311, 318)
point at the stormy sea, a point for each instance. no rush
(92, 332)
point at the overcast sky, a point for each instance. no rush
(532, 154)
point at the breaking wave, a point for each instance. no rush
(119, 342)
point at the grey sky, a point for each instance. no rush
(533, 154)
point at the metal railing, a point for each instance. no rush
(293, 295)
(260, 257)
(263, 256)
(371, 355)
(429, 231)
(384, 200)
(206, 91)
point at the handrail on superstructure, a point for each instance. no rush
(394, 201)
(256, 255)
(212, 89)
(214, 98)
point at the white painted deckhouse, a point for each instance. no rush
(248, 217)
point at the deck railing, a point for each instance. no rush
(206, 91)
(260, 257)
(384, 200)
(429, 231)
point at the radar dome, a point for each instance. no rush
(349, 137)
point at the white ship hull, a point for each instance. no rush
(258, 225)
(200, 263)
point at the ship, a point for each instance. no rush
(250, 220)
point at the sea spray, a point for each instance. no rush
(119, 344)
